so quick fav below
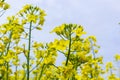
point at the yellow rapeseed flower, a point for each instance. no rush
(117, 57)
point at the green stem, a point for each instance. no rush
(7, 71)
(36, 66)
(41, 72)
(10, 36)
(69, 47)
(28, 55)
(7, 75)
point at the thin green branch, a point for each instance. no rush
(7, 75)
(28, 55)
(36, 66)
(41, 72)
(69, 47)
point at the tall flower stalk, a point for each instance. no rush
(28, 55)
(34, 16)
(69, 48)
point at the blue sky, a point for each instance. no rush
(99, 18)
